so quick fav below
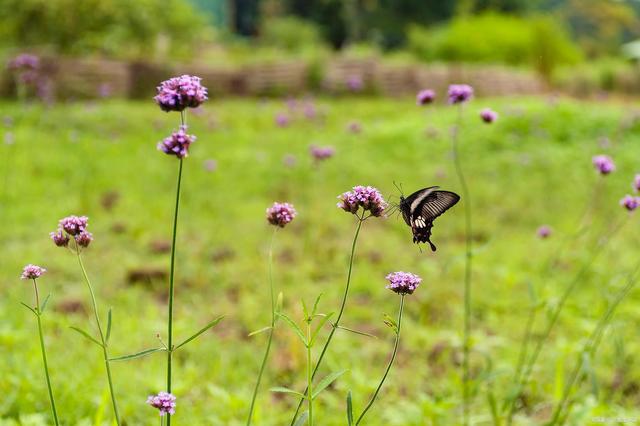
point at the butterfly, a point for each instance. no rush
(421, 208)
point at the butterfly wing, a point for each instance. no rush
(406, 203)
(425, 208)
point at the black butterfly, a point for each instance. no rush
(421, 208)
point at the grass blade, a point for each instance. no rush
(29, 308)
(351, 330)
(295, 328)
(321, 324)
(349, 409)
(106, 339)
(302, 419)
(282, 389)
(326, 382)
(315, 305)
(44, 303)
(86, 335)
(262, 330)
(137, 354)
(202, 330)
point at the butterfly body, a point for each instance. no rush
(421, 208)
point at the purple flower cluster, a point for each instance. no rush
(72, 226)
(604, 164)
(179, 93)
(31, 272)
(320, 153)
(281, 214)
(488, 115)
(636, 183)
(282, 120)
(460, 93)
(178, 143)
(425, 97)
(164, 402)
(26, 67)
(630, 202)
(355, 83)
(367, 197)
(354, 127)
(544, 231)
(403, 282)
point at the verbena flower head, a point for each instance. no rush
(367, 197)
(164, 402)
(281, 214)
(459, 93)
(355, 83)
(24, 61)
(604, 164)
(320, 153)
(60, 238)
(178, 143)
(31, 272)
(84, 238)
(630, 202)
(73, 225)
(282, 120)
(544, 231)
(179, 93)
(488, 115)
(636, 183)
(403, 282)
(425, 97)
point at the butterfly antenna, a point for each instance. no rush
(399, 188)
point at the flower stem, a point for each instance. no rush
(393, 357)
(271, 331)
(467, 269)
(309, 373)
(342, 306)
(44, 355)
(105, 354)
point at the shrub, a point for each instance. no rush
(290, 33)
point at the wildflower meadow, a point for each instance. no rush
(281, 285)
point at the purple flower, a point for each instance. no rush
(630, 202)
(459, 93)
(24, 61)
(425, 97)
(178, 143)
(280, 214)
(210, 165)
(354, 127)
(604, 164)
(282, 120)
(320, 153)
(488, 115)
(31, 272)
(355, 83)
(636, 183)
(310, 111)
(403, 282)
(544, 231)
(84, 238)
(165, 402)
(367, 197)
(104, 90)
(73, 225)
(179, 93)
(59, 238)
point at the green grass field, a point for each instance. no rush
(531, 167)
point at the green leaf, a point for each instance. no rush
(494, 408)
(44, 303)
(295, 328)
(29, 308)
(390, 322)
(106, 339)
(326, 382)
(87, 335)
(302, 419)
(137, 355)
(362, 333)
(279, 302)
(202, 330)
(315, 305)
(592, 375)
(262, 330)
(305, 310)
(321, 324)
(349, 409)
(282, 389)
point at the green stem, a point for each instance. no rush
(44, 356)
(105, 354)
(309, 373)
(393, 357)
(342, 306)
(467, 269)
(271, 331)
(556, 314)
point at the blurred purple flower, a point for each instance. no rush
(604, 164)
(179, 93)
(177, 144)
(84, 238)
(425, 97)
(59, 238)
(544, 231)
(355, 83)
(630, 202)
(73, 225)
(282, 120)
(320, 153)
(164, 402)
(210, 165)
(354, 127)
(403, 282)
(24, 61)
(289, 160)
(636, 183)
(488, 115)
(31, 272)
(460, 93)
(104, 90)
(310, 110)
(367, 197)
(281, 214)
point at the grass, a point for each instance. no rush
(531, 167)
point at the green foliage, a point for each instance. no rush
(494, 38)
(120, 28)
(604, 75)
(290, 33)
